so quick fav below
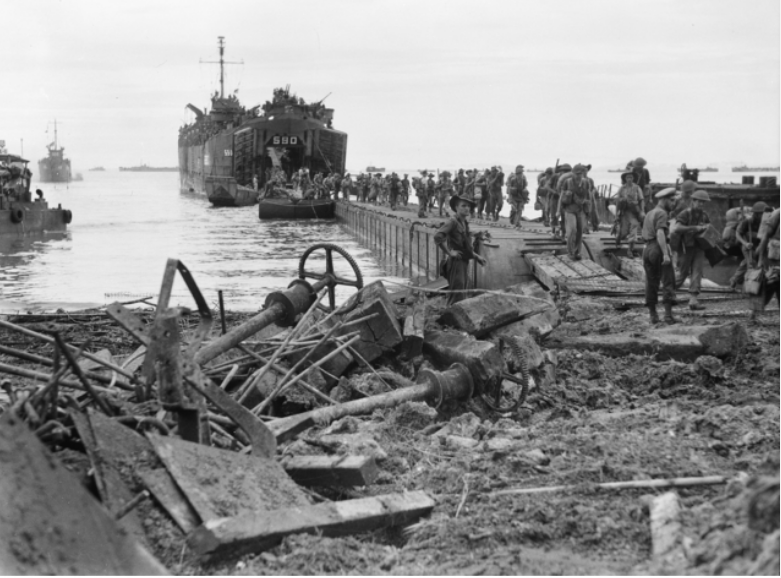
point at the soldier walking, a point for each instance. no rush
(630, 211)
(576, 205)
(690, 257)
(517, 194)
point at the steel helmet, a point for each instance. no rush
(688, 186)
(733, 215)
(759, 207)
(701, 195)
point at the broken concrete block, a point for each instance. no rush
(355, 444)
(460, 442)
(380, 334)
(466, 425)
(482, 358)
(679, 342)
(540, 325)
(536, 456)
(480, 315)
(500, 445)
(414, 325)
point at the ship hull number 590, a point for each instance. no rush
(284, 140)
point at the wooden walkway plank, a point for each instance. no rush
(255, 532)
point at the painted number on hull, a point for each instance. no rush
(284, 140)
(228, 152)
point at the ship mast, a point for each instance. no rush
(222, 63)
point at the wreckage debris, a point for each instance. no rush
(52, 525)
(198, 426)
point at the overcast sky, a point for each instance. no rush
(414, 83)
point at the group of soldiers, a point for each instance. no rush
(673, 252)
(435, 191)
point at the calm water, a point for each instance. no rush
(126, 225)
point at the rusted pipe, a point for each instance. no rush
(456, 385)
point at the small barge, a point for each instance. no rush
(20, 215)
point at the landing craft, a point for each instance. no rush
(55, 168)
(20, 215)
(228, 153)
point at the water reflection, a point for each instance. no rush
(126, 225)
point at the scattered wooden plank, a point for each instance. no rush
(680, 342)
(220, 483)
(588, 268)
(666, 531)
(332, 470)
(252, 533)
(659, 483)
(165, 491)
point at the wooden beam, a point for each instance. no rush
(252, 533)
(666, 531)
(332, 470)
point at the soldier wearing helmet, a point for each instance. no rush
(630, 211)
(769, 254)
(576, 206)
(747, 235)
(690, 257)
(642, 178)
(684, 201)
(517, 195)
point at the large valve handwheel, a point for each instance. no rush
(329, 276)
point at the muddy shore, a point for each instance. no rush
(589, 419)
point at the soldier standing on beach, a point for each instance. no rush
(517, 195)
(769, 254)
(444, 190)
(690, 257)
(657, 258)
(642, 179)
(576, 206)
(747, 237)
(454, 241)
(395, 189)
(543, 180)
(630, 211)
(420, 192)
(405, 189)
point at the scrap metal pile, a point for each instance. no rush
(184, 424)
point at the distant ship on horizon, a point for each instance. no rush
(143, 168)
(745, 169)
(97, 169)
